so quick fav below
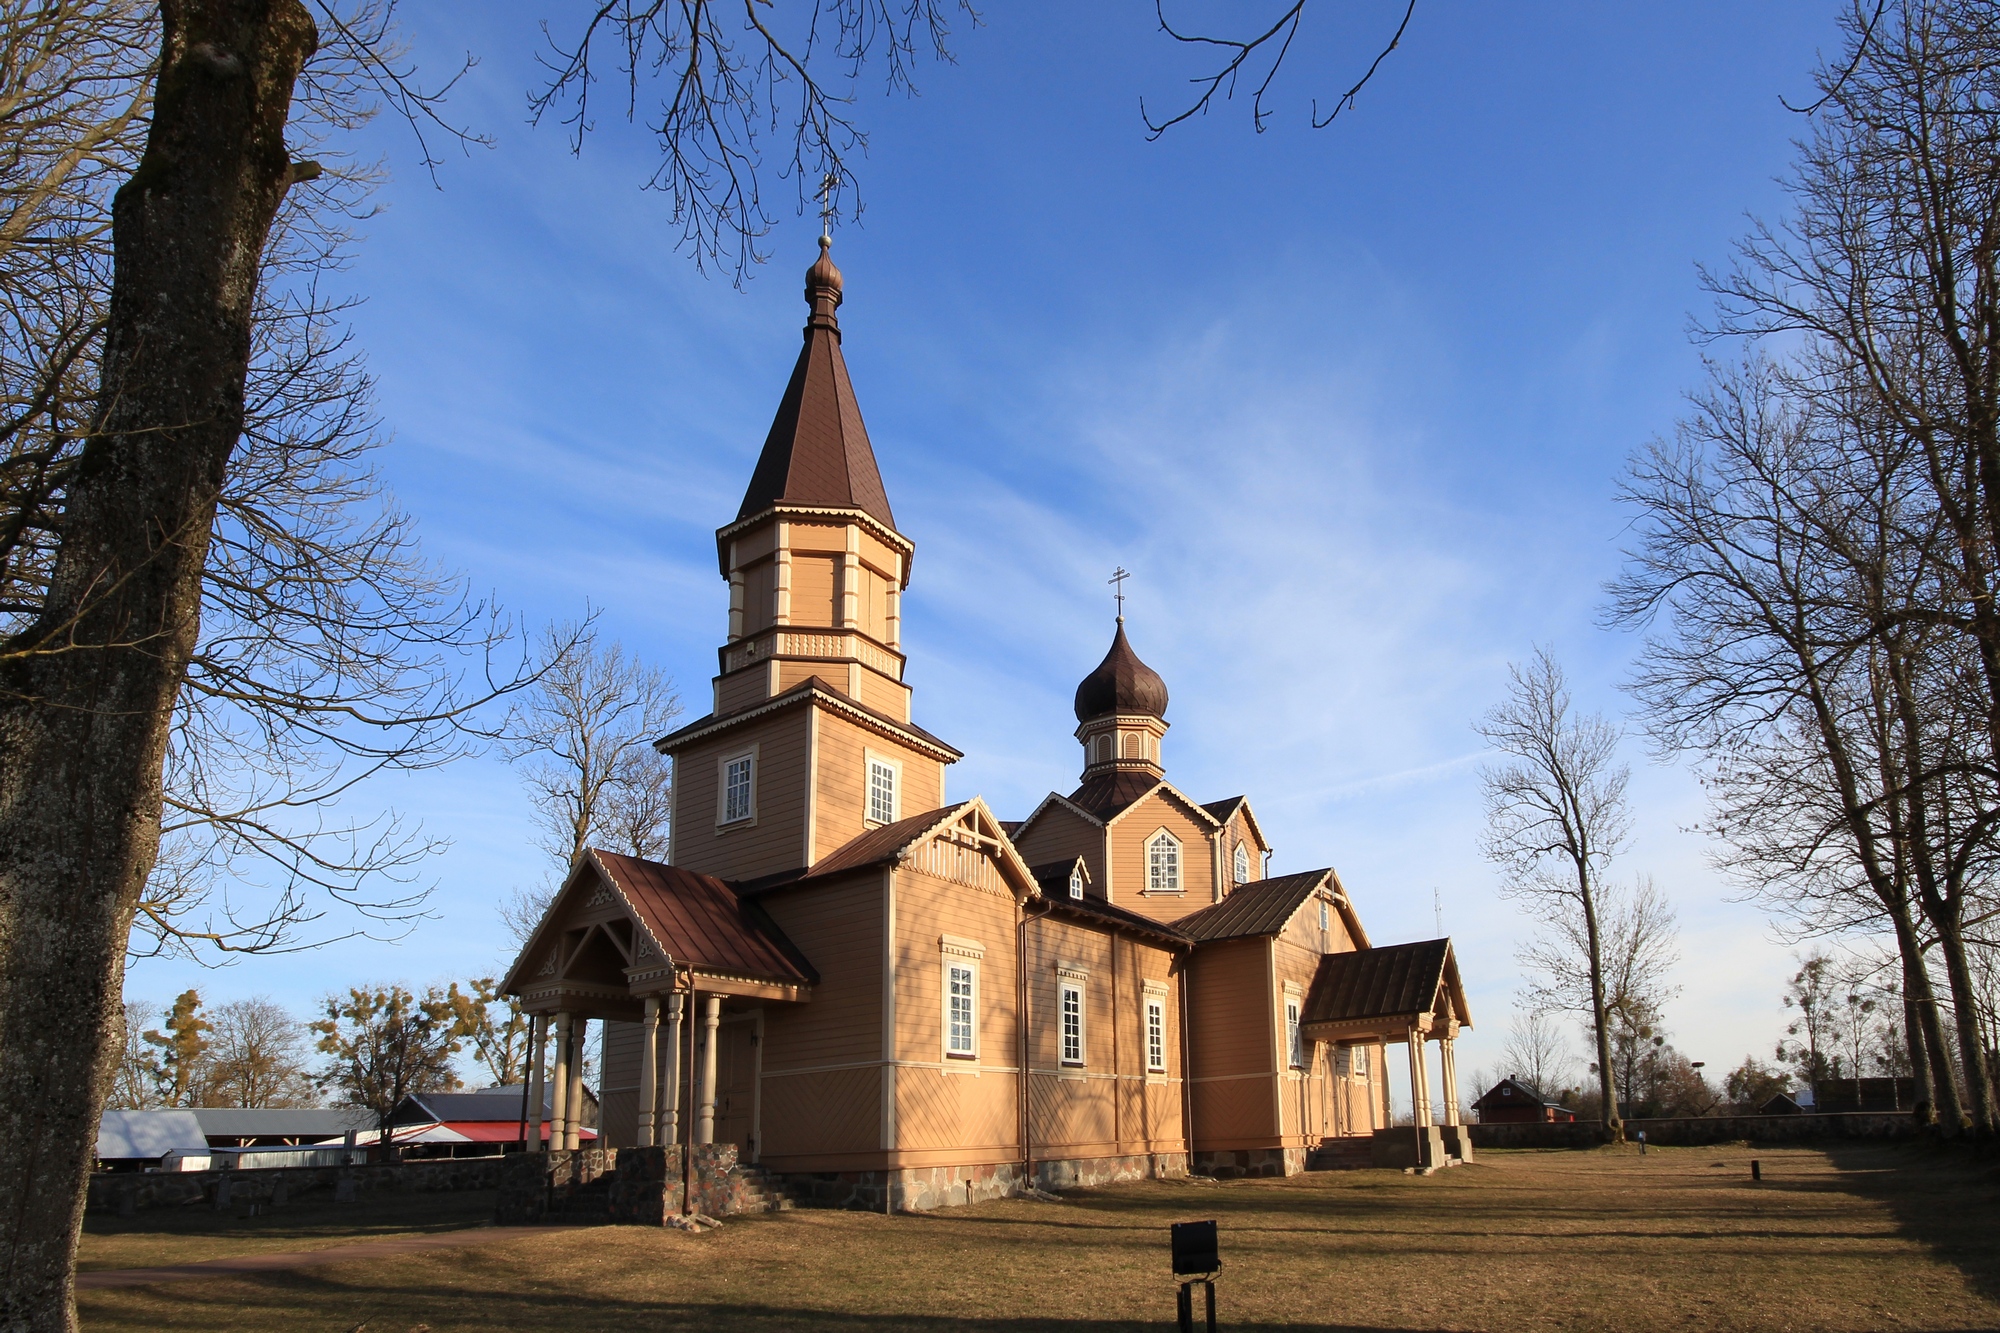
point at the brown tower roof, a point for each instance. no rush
(1121, 684)
(817, 453)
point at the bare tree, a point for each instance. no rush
(583, 744)
(1258, 56)
(1780, 537)
(501, 1045)
(731, 74)
(1887, 273)
(134, 1085)
(1555, 817)
(1536, 1052)
(257, 1056)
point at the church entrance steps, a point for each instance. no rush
(1348, 1153)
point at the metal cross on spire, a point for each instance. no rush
(1117, 580)
(827, 186)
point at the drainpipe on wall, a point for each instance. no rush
(1187, 1060)
(1022, 1009)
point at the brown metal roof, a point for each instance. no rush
(1394, 980)
(1107, 795)
(1121, 684)
(797, 694)
(1222, 810)
(701, 923)
(817, 453)
(879, 846)
(1261, 907)
(1110, 914)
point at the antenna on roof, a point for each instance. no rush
(1117, 580)
(1437, 908)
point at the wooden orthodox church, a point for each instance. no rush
(857, 980)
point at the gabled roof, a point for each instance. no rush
(817, 453)
(879, 846)
(1052, 877)
(815, 688)
(1396, 980)
(500, 1105)
(893, 844)
(699, 921)
(1515, 1091)
(130, 1135)
(1099, 912)
(1261, 907)
(258, 1122)
(1220, 811)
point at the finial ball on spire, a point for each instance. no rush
(823, 276)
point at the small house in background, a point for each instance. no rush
(473, 1124)
(151, 1141)
(1512, 1101)
(1782, 1104)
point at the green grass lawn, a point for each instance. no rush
(1876, 1238)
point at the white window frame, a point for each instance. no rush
(723, 819)
(1156, 1032)
(1325, 917)
(1154, 881)
(894, 768)
(954, 954)
(1073, 1030)
(1076, 881)
(1295, 1046)
(1357, 1062)
(959, 1046)
(1242, 866)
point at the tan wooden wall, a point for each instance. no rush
(840, 805)
(1060, 834)
(776, 839)
(1235, 1045)
(823, 1073)
(1109, 1107)
(1129, 834)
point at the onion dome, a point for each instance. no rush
(1121, 684)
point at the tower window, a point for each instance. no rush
(1076, 882)
(1131, 745)
(1163, 863)
(1243, 867)
(881, 792)
(1072, 1022)
(739, 788)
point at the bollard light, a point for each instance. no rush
(1197, 1258)
(1756, 1169)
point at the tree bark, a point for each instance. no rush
(1607, 1091)
(87, 692)
(1930, 1058)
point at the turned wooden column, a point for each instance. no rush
(559, 1112)
(579, 1034)
(670, 1074)
(704, 1099)
(533, 1076)
(649, 1079)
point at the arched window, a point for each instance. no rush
(1131, 745)
(1076, 882)
(1163, 863)
(1242, 864)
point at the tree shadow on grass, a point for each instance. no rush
(1943, 1197)
(279, 1300)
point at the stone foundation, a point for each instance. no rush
(925, 1189)
(1242, 1163)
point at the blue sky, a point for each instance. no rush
(1350, 405)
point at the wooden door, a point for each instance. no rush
(736, 1082)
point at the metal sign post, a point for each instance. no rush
(1196, 1252)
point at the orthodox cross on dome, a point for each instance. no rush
(827, 186)
(1117, 580)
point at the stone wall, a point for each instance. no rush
(1240, 1163)
(1695, 1131)
(126, 1193)
(625, 1186)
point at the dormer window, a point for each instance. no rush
(1076, 882)
(1243, 867)
(1163, 863)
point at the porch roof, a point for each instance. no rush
(700, 922)
(1386, 991)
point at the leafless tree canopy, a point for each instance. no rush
(1257, 57)
(724, 80)
(1555, 816)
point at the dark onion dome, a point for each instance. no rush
(1121, 684)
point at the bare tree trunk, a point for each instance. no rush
(1971, 1050)
(86, 693)
(1930, 1059)
(1614, 1124)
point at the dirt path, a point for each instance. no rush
(332, 1254)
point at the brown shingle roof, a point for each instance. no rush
(1380, 983)
(797, 694)
(817, 453)
(1222, 810)
(1110, 914)
(700, 922)
(1261, 907)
